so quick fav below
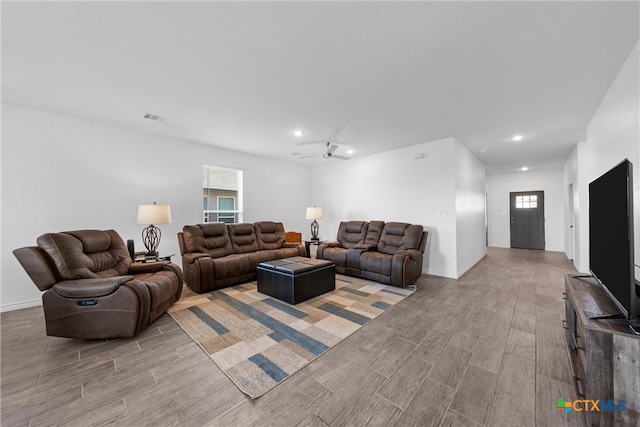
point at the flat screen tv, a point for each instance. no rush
(611, 254)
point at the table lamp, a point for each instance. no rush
(153, 214)
(314, 213)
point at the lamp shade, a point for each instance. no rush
(314, 213)
(154, 214)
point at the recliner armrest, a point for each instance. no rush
(147, 267)
(412, 253)
(192, 256)
(90, 288)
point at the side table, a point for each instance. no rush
(144, 259)
(308, 243)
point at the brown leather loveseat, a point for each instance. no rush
(217, 255)
(390, 253)
(93, 290)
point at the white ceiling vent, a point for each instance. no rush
(154, 117)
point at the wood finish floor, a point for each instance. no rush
(485, 350)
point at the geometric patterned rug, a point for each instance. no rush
(258, 341)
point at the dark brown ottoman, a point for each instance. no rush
(296, 279)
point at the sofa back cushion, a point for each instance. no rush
(243, 238)
(352, 233)
(398, 236)
(86, 254)
(270, 235)
(374, 231)
(212, 239)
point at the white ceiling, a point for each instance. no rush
(244, 75)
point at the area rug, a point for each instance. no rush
(258, 341)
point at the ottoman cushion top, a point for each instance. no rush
(295, 268)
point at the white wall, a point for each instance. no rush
(397, 186)
(572, 211)
(61, 173)
(470, 209)
(613, 134)
(498, 189)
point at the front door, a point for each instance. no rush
(527, 219)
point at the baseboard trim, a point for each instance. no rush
(463, 270)
(438, 273)
(20, 305)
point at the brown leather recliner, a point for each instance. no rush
(390, 253)
(397, 259)
(346, 250)
(93, 290)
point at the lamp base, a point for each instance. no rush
(151, 239)
(314, 230)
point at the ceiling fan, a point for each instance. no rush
(329, 154)
(331, 148)
(332, 145)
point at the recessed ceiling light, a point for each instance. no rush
(298, 133)
(349, 151)
(524, 169)
(484, 150)
(516, 138)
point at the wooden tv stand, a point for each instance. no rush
(604, 353)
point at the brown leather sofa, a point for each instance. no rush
(390, 253)
(217, 255)
(93, 290)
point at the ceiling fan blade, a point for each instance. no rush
(337, 156)
(331, 148)
(335, 133)
(306, 157)
(320, 141)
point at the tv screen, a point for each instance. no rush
(611, 235)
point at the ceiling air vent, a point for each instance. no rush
(154, 117)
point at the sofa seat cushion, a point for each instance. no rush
(233, 265)
(336, 255)
(376, 262)
(262, 256)
(286, 252)
(162, 286)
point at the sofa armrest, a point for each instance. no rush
(90, 288)
(406, 267)
(199, 272)
(190, 257)
(147, 267)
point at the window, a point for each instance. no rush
(221, 195)
(527, 202)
